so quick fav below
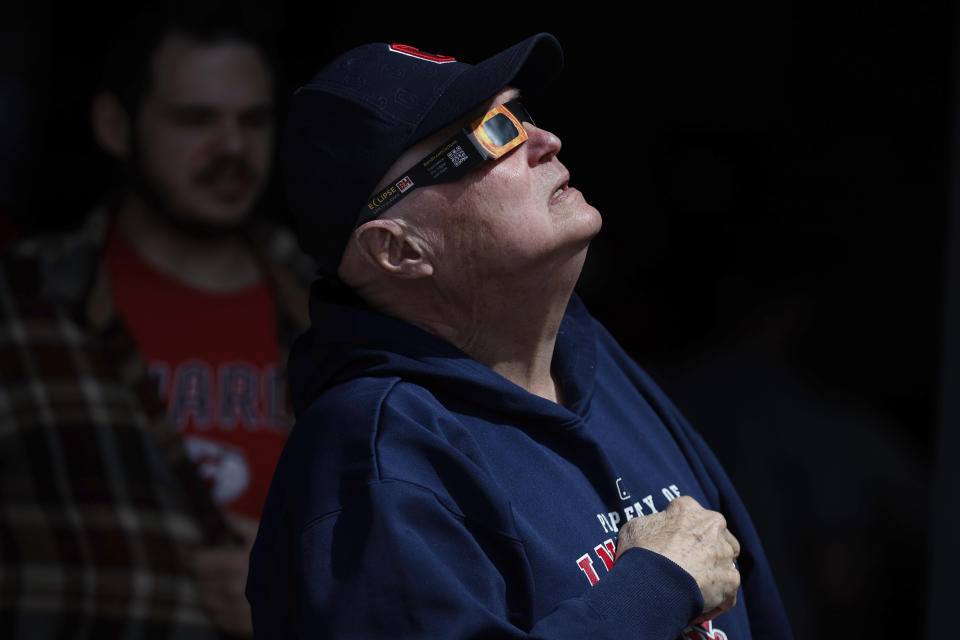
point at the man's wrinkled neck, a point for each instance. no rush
(512, 330)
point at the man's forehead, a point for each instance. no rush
(228, 72)
(506, 95)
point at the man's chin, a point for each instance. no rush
(201, 216)
(206, 226)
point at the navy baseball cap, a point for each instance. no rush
(351, 122)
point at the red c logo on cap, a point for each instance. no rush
(423, 55)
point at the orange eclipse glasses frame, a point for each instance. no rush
(489, 137)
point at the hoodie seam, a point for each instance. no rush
(382, 478)
(375, 439)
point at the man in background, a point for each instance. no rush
(142, 396)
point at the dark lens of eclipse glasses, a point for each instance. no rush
(500, 129)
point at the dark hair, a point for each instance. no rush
(128, 68)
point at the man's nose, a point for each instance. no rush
(231, 137)
(542, 146)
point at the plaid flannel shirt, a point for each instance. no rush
(100, 505)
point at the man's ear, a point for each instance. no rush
(391, 247)
(111, 125)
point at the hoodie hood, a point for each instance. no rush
(347, 340)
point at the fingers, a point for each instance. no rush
(229, 614)
(698, 540)
(734, 543)
(713, 613)
(221, 575)
(683, 504)
(216, 565)
(728, 601)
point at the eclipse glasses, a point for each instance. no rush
(489, 137)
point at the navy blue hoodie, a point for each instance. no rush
(422, 495)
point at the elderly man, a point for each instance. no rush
(474, 455)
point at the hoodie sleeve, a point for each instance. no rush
(374, 570)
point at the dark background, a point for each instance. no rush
(775, 183)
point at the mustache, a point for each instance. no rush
(225, 167)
